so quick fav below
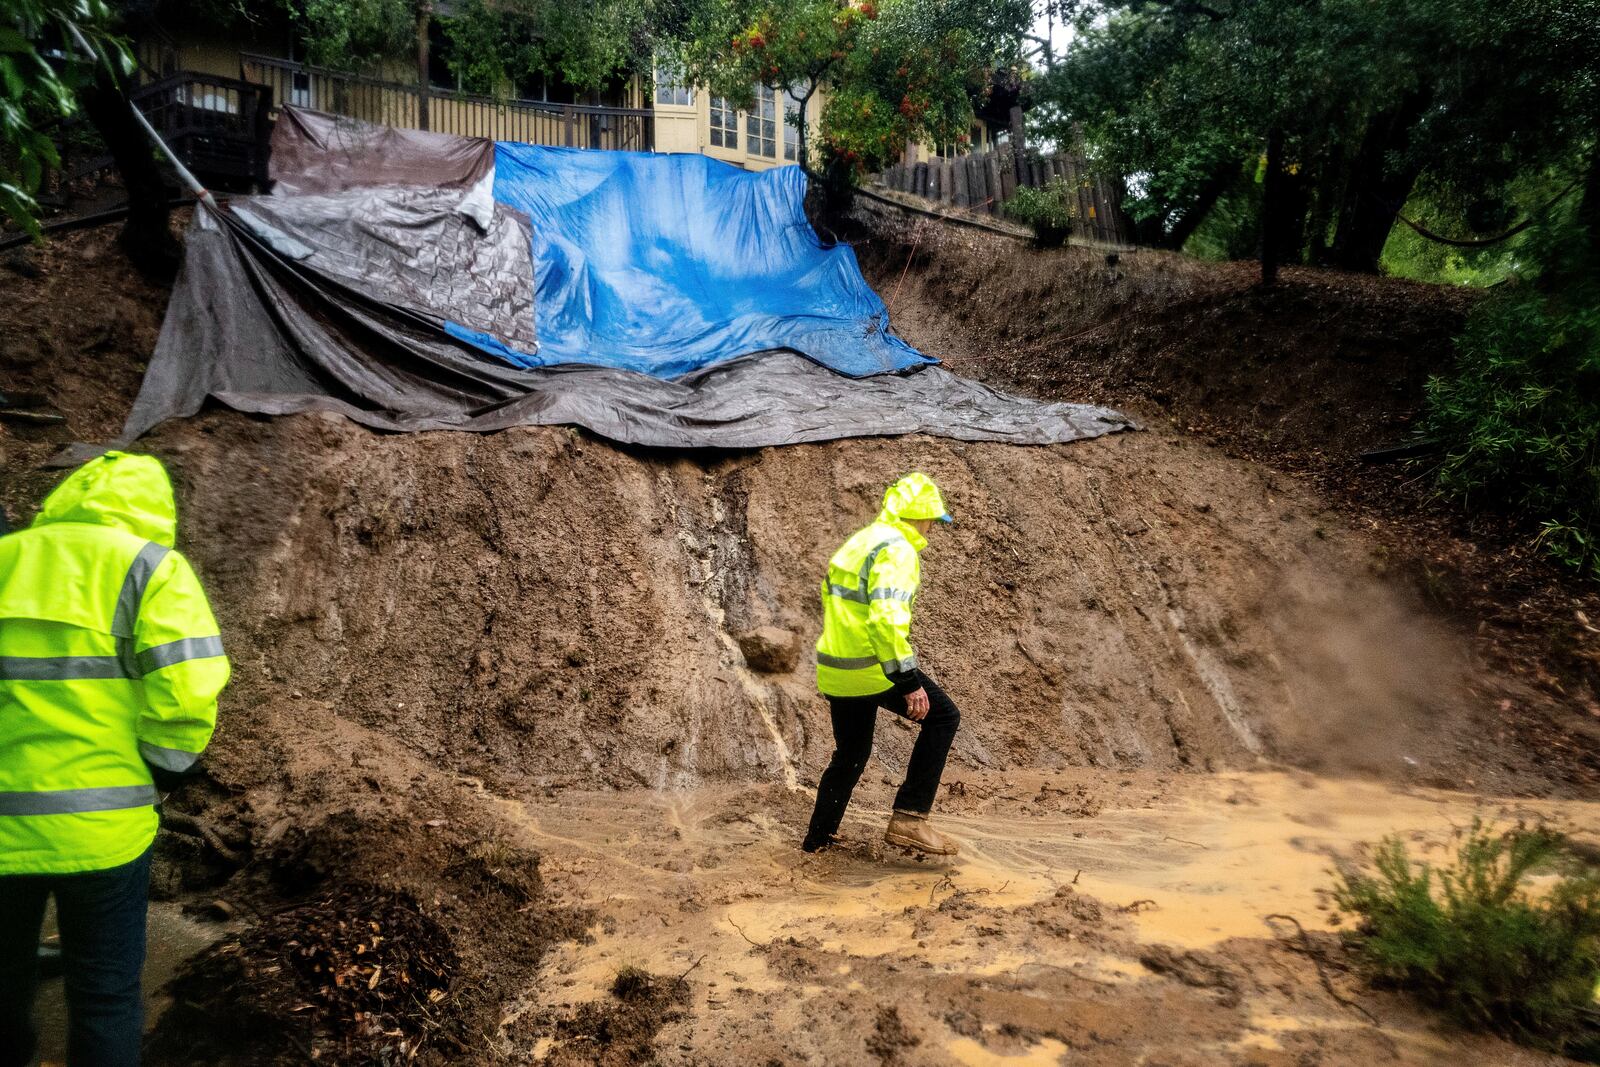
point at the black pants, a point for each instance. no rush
(102, 919)
(854, 719)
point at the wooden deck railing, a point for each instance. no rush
(392, 103)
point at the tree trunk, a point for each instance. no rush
(146, 237)
(1320, 210)
(424, 17)
(1589, 206)
(802, 129)
(1222, 175)
(1272, 208)
(1019, 144)
(1374, 193)
(1294, 205)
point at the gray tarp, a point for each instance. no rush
(299, 309)
(413, 248)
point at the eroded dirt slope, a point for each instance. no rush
(538, 609)
(1303, 378)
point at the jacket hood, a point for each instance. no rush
(914, 497)
(129, 492)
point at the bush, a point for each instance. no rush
(1050, 211)
(1518, 417)
(1469, 938)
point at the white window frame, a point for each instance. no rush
(724, 124)
(791, 130)
(762, 125)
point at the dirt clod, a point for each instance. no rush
(890, 1039)
(770, 649)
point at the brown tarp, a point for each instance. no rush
(317, 153)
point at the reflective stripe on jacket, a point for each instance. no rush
(109, 658)
(866, 609)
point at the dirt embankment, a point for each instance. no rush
(543, 611)
(431, 631)
(1324, 366)
(1303, 378)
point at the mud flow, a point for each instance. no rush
(1092, 917)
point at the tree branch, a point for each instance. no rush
(1186, 7)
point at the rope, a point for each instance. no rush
(1482, 242)
(916, 240)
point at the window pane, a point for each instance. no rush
(724, 124)
(670, 88)
(791, 133)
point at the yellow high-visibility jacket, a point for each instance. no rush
(867, 597)
(109, 659)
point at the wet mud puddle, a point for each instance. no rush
(1076, 900)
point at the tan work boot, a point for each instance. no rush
(910, 829)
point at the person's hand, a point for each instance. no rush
(917, 705)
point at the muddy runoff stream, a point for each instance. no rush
(1091, 918)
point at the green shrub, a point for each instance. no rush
(1469, 938)
(1049, 210)
(1518, 416)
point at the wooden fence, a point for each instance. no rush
(392, 103)
(983, 182)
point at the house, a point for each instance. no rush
(203, 84)
(765, 135)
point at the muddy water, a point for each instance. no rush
(710, 882)
(1214, 860)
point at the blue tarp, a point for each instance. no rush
(666, 264)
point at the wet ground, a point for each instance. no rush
(1091, 918)
(172, 938)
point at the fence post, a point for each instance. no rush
(424, 16)
(996, 193)
(961, 189)
(1080, 195)
(568, 118)
(1105, 215)
(977, 190)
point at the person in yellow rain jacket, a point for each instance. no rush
(110, 667)
(865, 662)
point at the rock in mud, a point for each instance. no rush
(770, 650)
(22, 262)
(1202, 970)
